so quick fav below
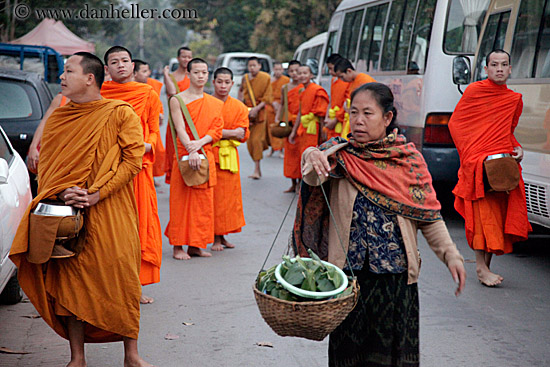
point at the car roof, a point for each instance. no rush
(245, 54)
(22, 75)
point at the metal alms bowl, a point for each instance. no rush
(55, 209)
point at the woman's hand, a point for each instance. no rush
(194, 161)
(456, 267)
(319, 162)
(193, 146)
(518, 154)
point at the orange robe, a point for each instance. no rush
(228, 203)
(261, 87)
(359, 80)
(99, 146)
(192, 208)
(483, 124)
(276, 143)
(147, 105)
(338, 96)
(292, 161)
(160, 152)
(314, 99)
(169, 154)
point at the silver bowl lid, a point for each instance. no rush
(55, 209)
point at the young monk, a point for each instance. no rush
(346, 72)
(92, 148)
(228, 204)
(142, 73)
(482, 125)
(277, 82)
(256, 93)
(192, 207)
(313, 106)
(288, 113)
(175, 83)
(146, 103)
(338, 95)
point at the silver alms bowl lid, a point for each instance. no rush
(55, 209)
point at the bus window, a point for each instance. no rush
(398, 35)
(421, 36)
(371, 38)
(543, 56)
(493, 38)
(350, 34)
(463, 25)
(331, 44)
(312, 59)
(526, 33)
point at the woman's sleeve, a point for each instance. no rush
(440, 241)
(309, 175)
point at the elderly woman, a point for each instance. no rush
(380, 194)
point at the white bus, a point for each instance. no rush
(311, 52)
(410, 45)
(522, 27)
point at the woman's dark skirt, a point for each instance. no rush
(382, 330)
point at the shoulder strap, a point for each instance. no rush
(187, 118)
(285, 103)
(175, 83)
(250, 91)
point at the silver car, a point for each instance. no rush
(15, 196)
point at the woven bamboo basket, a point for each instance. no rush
(310, 320)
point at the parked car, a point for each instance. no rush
(15, 196)
(40, 59)
(236, 61)
(24, 98)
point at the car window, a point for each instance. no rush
(238, 65)
(5, 151)
(15, 101)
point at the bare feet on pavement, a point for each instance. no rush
(137, 362)
(179, 254)
(255, 176)
(146, 300)
(292, 189)
(195, 251)
(489, 279)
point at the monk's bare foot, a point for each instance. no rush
(292, 189)
(227, 244)
(179, 254)
(255, 176)
(489, 279)
(195, 251)
(270, 152)
(79, 363)
(144, 300)
(281, 154)
(217, 247)
(136, 362)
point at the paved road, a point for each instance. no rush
(506, 326)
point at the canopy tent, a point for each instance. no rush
(54, 34)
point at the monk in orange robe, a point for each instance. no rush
(92, 149)
(334, 120)
(288, 113)
(146, 103)
(228, 203)
(277, 82)
(314, 102)
(175, 83)
(142, 73)
(482, 125)
(256, 93)
(192, 207)
(346, 72)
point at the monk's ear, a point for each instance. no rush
(90, 80)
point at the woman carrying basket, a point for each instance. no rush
(380, 194)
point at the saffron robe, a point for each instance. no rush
(98, 146)
(261, 87)
(192, 207)
(483, 124)
(147, 105)
(338, 95)
(169, 153)
(228, 202)
(160, 152)
(292, 161)
(275, 143)
(314, 99)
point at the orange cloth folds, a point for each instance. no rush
(228, 203)
(100, 285)
(292, 161)
(276, 86)
(159, 165)
(314, 99)
(261, 87)
(170, 151)
(338, 92)
(147, 105)
(192, 208)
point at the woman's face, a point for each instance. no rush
(367, 119)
